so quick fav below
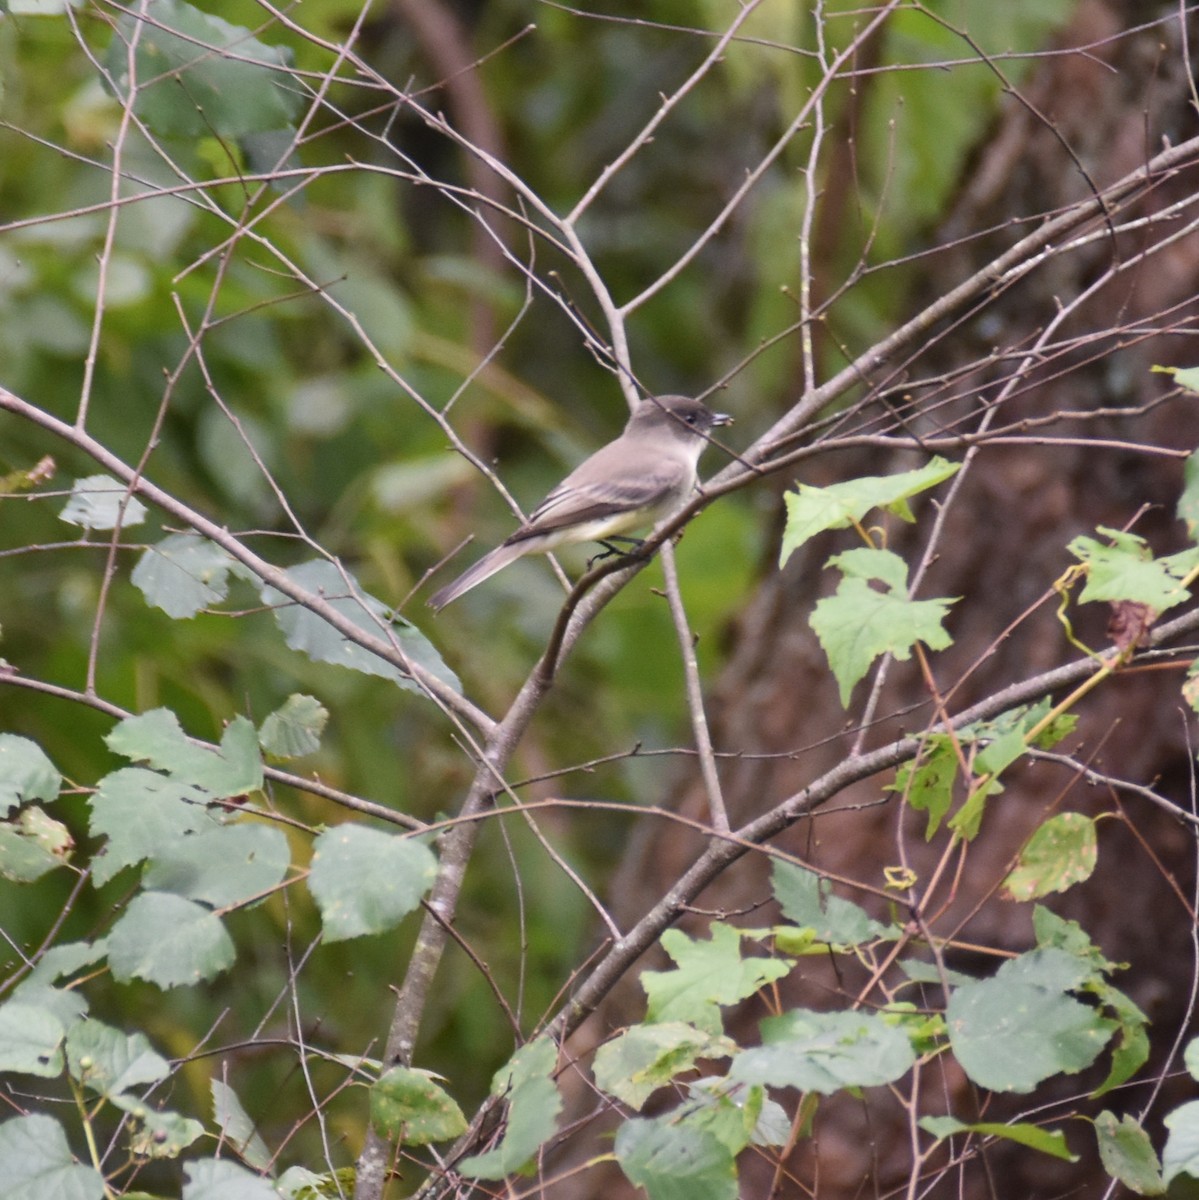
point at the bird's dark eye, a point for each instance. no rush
(690, 418)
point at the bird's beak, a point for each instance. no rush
(721, 419)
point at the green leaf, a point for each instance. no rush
(1062, 852)
(675, 1162)
(808, 901)
(825, 1052)
(1125, 569)
(30, 1038)
(32, 844)
(200, 76)
(408, 1107)
(1018, 1028)
(533, 1108)
(168, 941)
(710, 973)
(220, 1179)
(1188, 502)
(36, 1163)
(1047, 1141)
(366, 881)
(1061, 933)
(1181, 1153)
(313, 636)
(140, 811)
(222, 866)
(38, 8)
(1186, 377)
(1127, 1154)
(1006, 739)
(812, 510)
(156, 737)
(67, 1007)
(859, 624)
(928, 782)
(294, 729)
(107, 1062)
(737, 1115)
(728, 1111)
(97, 502)
(1131, 1050)
(237, 1128)
(633, 1065)
(25, 773)
(919, 971)
(1190, 686)
(157, 1133)
(1190, 1057)
(183, 574)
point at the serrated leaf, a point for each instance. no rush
(366, 881)
(1127, 1154)
(30, 1039)
(200, 76)
(156, 737)
(236, 1127)
(140, 811)
(220, 1179)
(928, 783)
(36, 1163)
(100, 502)
(825, 1052)
(859, 624)
(812, 510)
(633, 1065)
(675, 1162)
(294, 729)
(25, 773)
(183, 574)
(1020, 1027)
(33, 843)
(533, 1108)
(1047, 1141)
(709, 973)
(108, 1062)
(1123, 568)
(168, 941)
(222, 866)
(1061, 933)
(1061, 852)
(312, 635)
(808, 901)
(407, 1106)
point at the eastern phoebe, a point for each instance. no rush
(643, 475)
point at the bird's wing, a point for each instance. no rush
(580, 501)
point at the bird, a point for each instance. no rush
(639, 477)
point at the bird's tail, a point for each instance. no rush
(495, 560)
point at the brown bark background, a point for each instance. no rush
(776, 705)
